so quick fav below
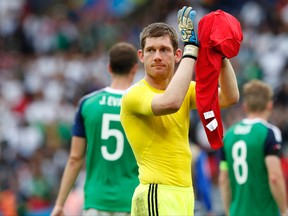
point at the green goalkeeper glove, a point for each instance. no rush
(186, 18)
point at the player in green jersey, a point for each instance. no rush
(111, 169)
(251, 179)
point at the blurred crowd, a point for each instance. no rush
(52, 52)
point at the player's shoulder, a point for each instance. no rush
(261, 123)
(274, 130)
(136, 87)
(98, 95)
(92, 94)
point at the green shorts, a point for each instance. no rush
(162, 200)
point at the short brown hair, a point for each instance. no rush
(122, 57)
(256, 95)
(159, 29)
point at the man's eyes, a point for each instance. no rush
(162, 50)
(150, 50)
(165, 50)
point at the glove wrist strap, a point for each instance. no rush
(190, 51)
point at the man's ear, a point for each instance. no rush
(109, 69)
(140, 55)
(178, 55)
(270, 106)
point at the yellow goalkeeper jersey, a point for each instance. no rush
(160, 143)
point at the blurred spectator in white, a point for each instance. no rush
(10, 12)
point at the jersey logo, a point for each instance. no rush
(213, 124)
(276, 147)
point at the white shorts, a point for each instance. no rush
(94, 212)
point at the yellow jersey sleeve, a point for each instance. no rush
(139, 99)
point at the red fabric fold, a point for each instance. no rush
(219, 34)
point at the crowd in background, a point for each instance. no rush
(52, 52)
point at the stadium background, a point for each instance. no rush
(52, 52)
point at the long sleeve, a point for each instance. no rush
(219, 35)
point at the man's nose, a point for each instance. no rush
(157, 55)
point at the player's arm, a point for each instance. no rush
(228, 91)
(273, 164)
(171, 100)
(224, 183)
(277, 182)
(225, 190)
(71, 171)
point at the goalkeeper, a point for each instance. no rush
(155, 114)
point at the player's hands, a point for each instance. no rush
(186, 18)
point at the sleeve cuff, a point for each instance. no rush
(223, 165)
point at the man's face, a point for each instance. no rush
(158, 57)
